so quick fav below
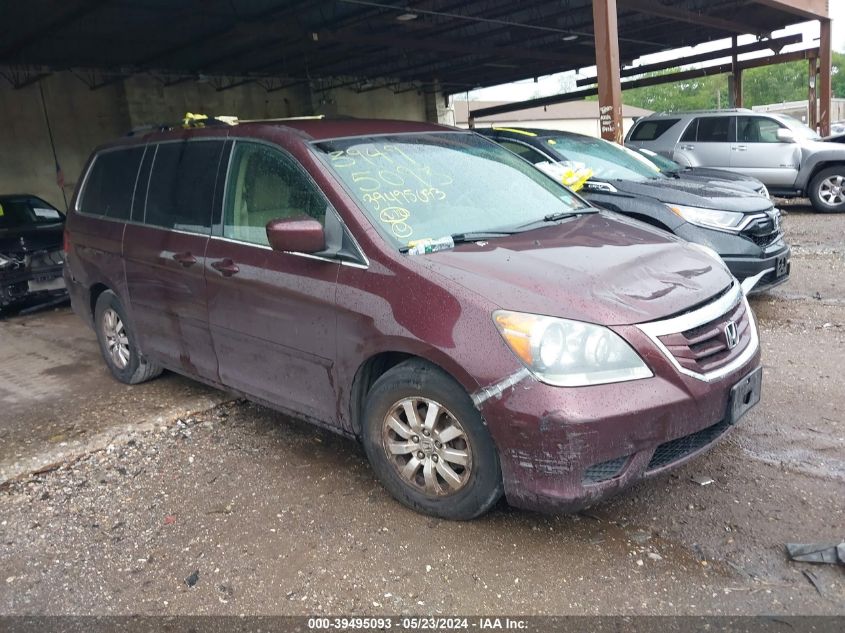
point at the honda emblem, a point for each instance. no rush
(731, 334)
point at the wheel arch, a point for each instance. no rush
(379, 363)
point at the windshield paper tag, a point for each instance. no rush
(428, 245)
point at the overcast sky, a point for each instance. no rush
(552, 84)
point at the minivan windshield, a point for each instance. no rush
(18, 213)
(432, 185)
(607, 161)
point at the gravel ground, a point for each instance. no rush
(240, 510)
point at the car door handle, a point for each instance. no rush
(688, 147)
(739, 148)
(186, 259)
(226, 267)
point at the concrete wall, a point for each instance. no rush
(82, 118)
(590, 127)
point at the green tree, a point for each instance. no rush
(764, 85)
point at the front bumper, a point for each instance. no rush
(22, 285)
(562, 449)
(743, 257)
(772, 269)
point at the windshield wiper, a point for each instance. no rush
(553, 217)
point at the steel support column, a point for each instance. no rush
(735, 86)
(812, 101)
(824, 87)
(607, 66)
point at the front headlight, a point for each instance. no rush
(568, 353)
(710, 218)
(5, 262)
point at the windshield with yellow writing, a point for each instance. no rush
(427, 186)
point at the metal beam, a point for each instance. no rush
(439, 45)
(607, 68)
(825, 87)
(809, 9)
(775, 44)
(693, 73)
(650, 7)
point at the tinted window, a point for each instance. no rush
(181, 190)
(691, 132)
(265, 184)
(526, 152)
(140, 198)
(111, 183)
(757, 129)
(650, 130)
(713, 129)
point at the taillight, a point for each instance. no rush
(66, 244)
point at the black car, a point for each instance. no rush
(718, 177)
(31, 253)
(742, 227)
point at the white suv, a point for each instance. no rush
(789, 157)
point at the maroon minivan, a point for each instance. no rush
(480, 328)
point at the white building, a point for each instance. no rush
(800, 109)
(571, 116)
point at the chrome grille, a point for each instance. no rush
(707, 347)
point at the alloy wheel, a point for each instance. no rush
(832, 190)
(427, 446)
(117, 340)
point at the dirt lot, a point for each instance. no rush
(262, 514)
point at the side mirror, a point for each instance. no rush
(300, 234)
(785, 135)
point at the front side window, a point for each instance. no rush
(265, 184)
(432, 185)
(181, 188)
(111, 184)
(714, 129)
(757, 129)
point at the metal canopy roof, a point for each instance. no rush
(405, 44)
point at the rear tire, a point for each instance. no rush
(827, 190)
(428, 444)
(117, 342)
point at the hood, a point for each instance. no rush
(46, 237)
(601, 268)
(695, 193)
(721, 175)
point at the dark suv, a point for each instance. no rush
(742, 227)
(480, 328)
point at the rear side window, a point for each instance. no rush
(651, 130)
(111, 183)
(181, 189)
(714, 129)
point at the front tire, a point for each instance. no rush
(117, 342)
(827, 190)
(428, 444)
